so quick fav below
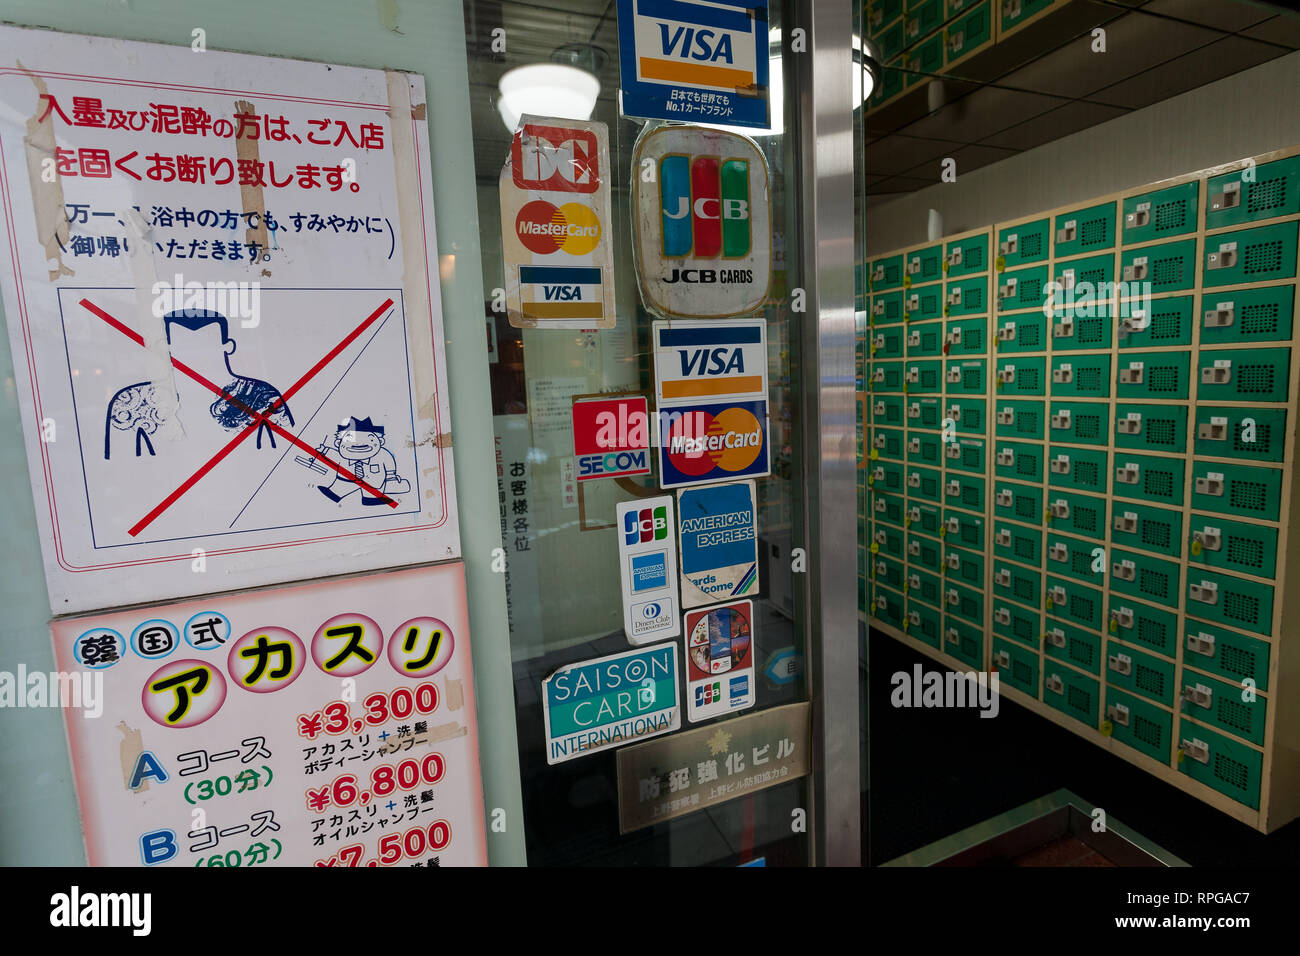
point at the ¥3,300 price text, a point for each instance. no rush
(412, 844)
(336, 718)
(384, 779)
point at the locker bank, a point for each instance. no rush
(435, 426)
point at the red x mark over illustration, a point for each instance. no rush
(258, 418)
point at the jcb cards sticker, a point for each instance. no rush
(647, 560)
(555, 226)
(702, 230)
(611, 437)
(719, 660)
(710, 360)
(719, 543)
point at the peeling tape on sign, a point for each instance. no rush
(556, 225)
(610, 701)
(702, 226)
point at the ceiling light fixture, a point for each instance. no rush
(566, 88)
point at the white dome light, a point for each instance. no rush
(547, 89)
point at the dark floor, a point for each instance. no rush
(936, 771)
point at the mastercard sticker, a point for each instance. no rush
(555, 226)
(701, 444)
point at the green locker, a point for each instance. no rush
(887, 541)
(924, 449)
(1217, 542)
(924, 339)
(892, 78)
(924, 586)
(1018, 623)
(923, 377)
(887, 342)
(1168, 267)
(1222, 763)
(1018, 584)
(1251, 255)
(1021, 375)
(966, 603)
(1248, 315)
(924, 623)
(1020, 502)
(1224, 706)
(1237, 489)
(923, 60)
(967, 256)
(1084, 423)
(887, 273)
(1085, 326)
(1023, 332)
(1139, 725)
(923, 552)
(1232, 656)
(924, 412)
(1017, 542)
(1140, 673)
(1086, 279)
(966, 454)
(1022, 289)
(885, 476)
(887, 571)
(964, 491)
(1074, 513)
(967, 337)
(1082, 469)
(1019, 460)
(1072, 601)
(1145, 526)
(1016, 666)
(1085, 376)
(887, 443)
(963, 529)
(1084, 230)
(1153, 628)
(882, 12)
(1257, 434)
(1149, 478)
(1072, 693)
(1022, 244)
(920, 19)
(1158, 323)
(963, 641)
(886, 377)
(1140, 575)
(1229, 600)
(887, 508)
(886, 309)
(887, 606)
(1082, 560)
(968, 33)
(970, 415)
(966, 296)
(1151, 427)
(1274, 191)
(1161, 213)
(966, 376)
(1243, 375)
(1153, 375)
(962, 566)
(924, 483)
(923, 265)
(927, 519)
(887, 410)
(1065, 642)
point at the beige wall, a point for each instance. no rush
(1243, 115)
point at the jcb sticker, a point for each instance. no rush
(702, 229)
